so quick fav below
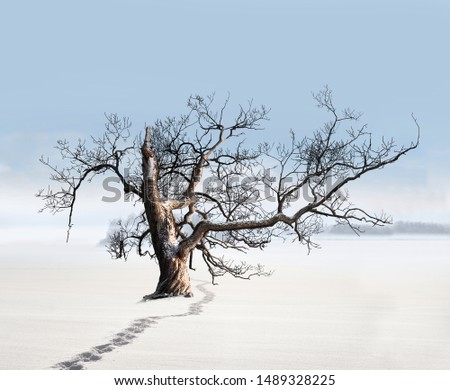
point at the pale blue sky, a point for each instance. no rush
(63, 64)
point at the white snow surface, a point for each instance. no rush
(366, 303)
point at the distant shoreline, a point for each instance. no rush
(400, 228)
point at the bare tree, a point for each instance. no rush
(198, 195)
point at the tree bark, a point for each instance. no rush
(173, 279)
(174, 275)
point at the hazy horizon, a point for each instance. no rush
(66, 65)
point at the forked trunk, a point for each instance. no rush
(174, 276)
(173, 279)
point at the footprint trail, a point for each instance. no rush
(130, 333)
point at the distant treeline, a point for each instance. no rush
(397, 228)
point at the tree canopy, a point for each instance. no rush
(201, 186)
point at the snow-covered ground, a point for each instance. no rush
(372, 303)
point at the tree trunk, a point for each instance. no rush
(174, 276)
(173, 280)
